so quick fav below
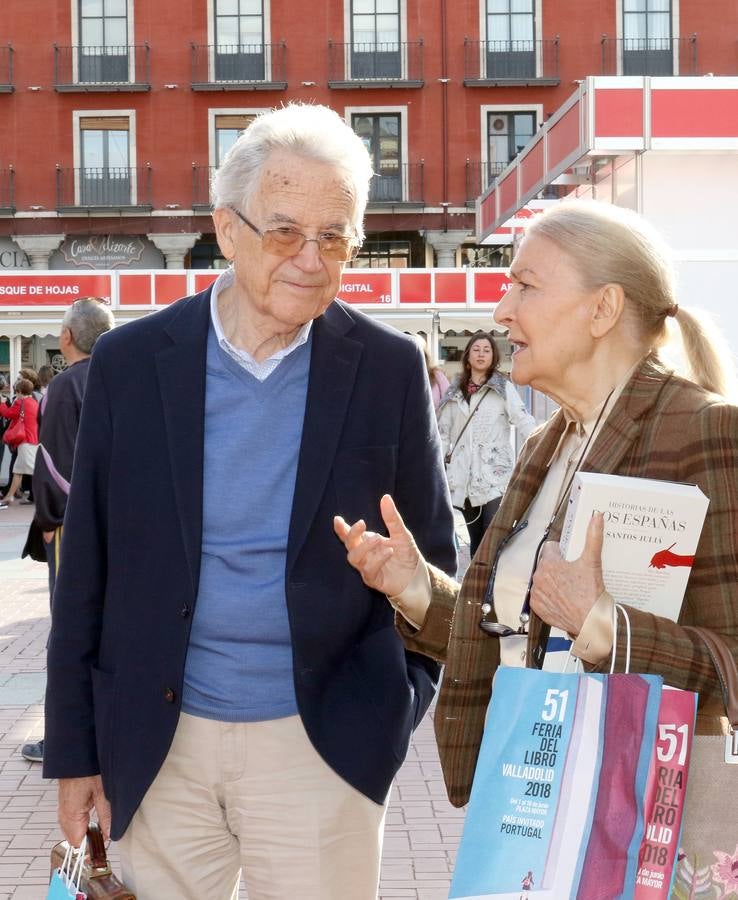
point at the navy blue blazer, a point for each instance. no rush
(127, 586)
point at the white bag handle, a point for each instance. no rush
(73, 877)
(624, 611)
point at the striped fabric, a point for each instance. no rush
(662, 426)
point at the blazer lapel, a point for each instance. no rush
(181, 371)
(333, 365)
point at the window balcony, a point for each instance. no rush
(239, 67)
(479, 176)
(501, 63)
(124, 68)
(201, 177)
(394, 64)
(649, 56)
(103, 188)
(6, 69)
(401, 185)
(7, 192)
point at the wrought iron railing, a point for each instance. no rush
(7, 190)
(201, 177)
(239, 64)
(375, 62)
(649, 56)
(103, 187)
(82, 68)
(480, 175)
(6, 68)
(401, 184)
(511, 60)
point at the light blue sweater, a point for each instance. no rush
(239, 660)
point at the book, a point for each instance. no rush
(652, 529)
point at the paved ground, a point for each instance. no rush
(422, 827)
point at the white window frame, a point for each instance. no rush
(486, 109)
(347, 32)
(213, 114)
(76, 41)
(402, 111)
(537, 39)
(674, 35)
(266, 18)
(130, 114)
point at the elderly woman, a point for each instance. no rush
(590, 311)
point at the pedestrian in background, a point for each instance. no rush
(45, 375)
(23, 407)
(474, 420)
(4, 401)
(82, 325)
(436, 376)
(220, 681)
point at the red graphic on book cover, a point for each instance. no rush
(664, 558)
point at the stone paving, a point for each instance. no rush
(422, 830)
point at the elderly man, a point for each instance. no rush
(83, 323)
(220, 680)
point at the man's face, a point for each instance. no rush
(283, 293)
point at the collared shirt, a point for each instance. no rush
(261, 370)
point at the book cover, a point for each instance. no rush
(652, 529)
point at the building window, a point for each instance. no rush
(227, 130)
(378, 254)
(239, 40)
(647, 37)
(375, 39)
(510, 39)
(103, 40)
(507, 134)
(381, 136)
(105, 177)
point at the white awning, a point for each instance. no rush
(30, 327)
(474, 320)
(410, 322)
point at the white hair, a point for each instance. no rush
(311, 131)
(610, 244)
(86, 319)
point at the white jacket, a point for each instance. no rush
(482, 461)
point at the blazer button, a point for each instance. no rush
(185, 611)
(169, 695)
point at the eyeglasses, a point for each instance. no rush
(497, 628)
(286, 241)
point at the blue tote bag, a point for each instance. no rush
(557, 803)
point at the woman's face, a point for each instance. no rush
(480, 357)
(547, 314)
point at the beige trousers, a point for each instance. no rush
(255, 795)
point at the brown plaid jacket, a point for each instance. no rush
(661, 426)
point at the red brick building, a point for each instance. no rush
(114, 112)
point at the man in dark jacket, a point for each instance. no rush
(83, 323)
(222, 686)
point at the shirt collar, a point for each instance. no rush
(225, 280)
(583, 430)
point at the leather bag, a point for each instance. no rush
(15, 433)
(97, 880)
(708, 856)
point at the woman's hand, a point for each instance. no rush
(386, 564)
(563, 592)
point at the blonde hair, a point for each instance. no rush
(612, 245)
